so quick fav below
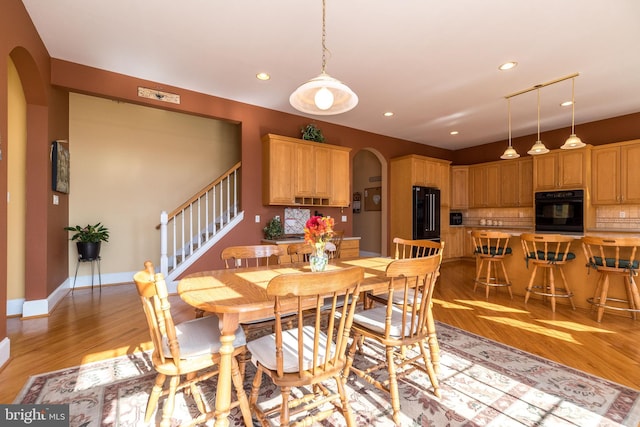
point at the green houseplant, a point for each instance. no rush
(88, 239)
(311, 133)
(274, 229)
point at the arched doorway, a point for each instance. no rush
(370, 180)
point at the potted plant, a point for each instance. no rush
(311, 133)
(88, 239)
(274, 229)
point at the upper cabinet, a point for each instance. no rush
(562, 169)
(484, 185)
(615, 178)
(298, 172)
(516, 182)
(459, 187)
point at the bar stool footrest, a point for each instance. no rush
(595, 301)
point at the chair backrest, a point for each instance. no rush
(490, 244)
(612, 254)
(251, 255)
(411, 285)
(316, 298)
(152, 289)
(300, 252)
(336, 240)
(406, 248)
(545, 248)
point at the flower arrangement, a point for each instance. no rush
(318, 230)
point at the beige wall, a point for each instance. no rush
(129, 163)
(17, 181)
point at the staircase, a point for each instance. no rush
(199, 223)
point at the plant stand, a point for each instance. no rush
(91, 260)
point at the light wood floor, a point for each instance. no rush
(89, 326)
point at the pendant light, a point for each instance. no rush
(538, 147)
(323, 95)
(510, 152)
(573, 141)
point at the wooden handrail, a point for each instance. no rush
(204, 190)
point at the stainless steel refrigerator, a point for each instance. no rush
(426, 213)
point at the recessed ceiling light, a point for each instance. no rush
(388, 114)
(454, 132)
(263, 76)
(566, 104)
(508, 65)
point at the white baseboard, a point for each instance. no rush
(43, 307)
(5, 351)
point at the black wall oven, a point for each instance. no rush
(560, 211)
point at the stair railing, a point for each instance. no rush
(197, 221)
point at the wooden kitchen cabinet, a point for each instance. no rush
(304, 173)
(562, 169)
(616, 176)
(453, 243)
(459, 187)
(484, 185)
(516, 183)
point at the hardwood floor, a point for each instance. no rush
(89, 326)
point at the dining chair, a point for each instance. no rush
(490, 249)
(334, 244)
(307, 356)
(404, 249)
(614, 257)
(550, 253)
(299, 252)
(187, 353)
(251, 255)
(397, 326)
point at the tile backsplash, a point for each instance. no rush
(621, 217)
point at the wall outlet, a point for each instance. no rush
(344, 218)
(623, 214)
(56, 199)
(257, 219)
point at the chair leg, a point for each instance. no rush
(152, 403)
(255, 390)
(346, 409)
(430, 370)
(486, 286)
(603, 297)
(479, 265)
(632, 295)
(552, 290)
(169, 403)
(393, 385)
(566, 287)
(506, 278)
(284, 409)
(434, 346)
(531, 281)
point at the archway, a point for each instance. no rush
(370, 223)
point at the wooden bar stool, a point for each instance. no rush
(550, 252)
(613, 257)
(490, 248)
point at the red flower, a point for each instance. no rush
(318, 229)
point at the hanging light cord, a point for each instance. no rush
(573, 105)
(324, 37)
(509, 108)
(538, 114)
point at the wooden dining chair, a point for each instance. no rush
(334, 244)
(490, 249)
(404, 249)
(186, 353)
(299, 252)
(310, 354)
(251, 255)
(397, 326)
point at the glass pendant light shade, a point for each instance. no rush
(510, 152)
(573, 141)
(538, 147)
(323, 95)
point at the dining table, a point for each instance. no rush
(239, 296)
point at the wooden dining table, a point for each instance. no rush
(239, 295)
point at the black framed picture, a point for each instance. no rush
(59, 167)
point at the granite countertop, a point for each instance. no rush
(296, 239)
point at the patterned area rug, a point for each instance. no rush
(483, 383)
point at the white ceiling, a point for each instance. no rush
(433, 63)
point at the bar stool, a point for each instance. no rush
(490, 248)
(550, 252)
(611, 256)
